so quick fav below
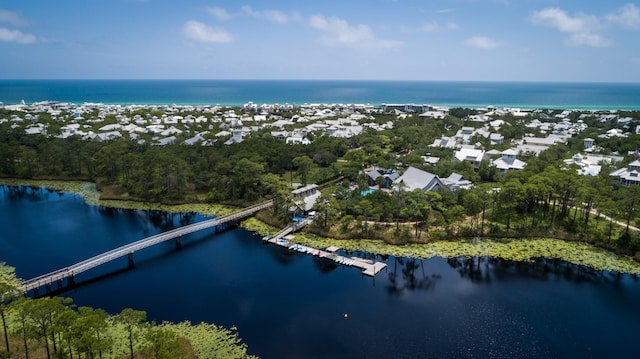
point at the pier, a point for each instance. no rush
(367, 266)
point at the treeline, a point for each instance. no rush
(541, 200)
(52, 327)
(124, 168)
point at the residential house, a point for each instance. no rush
(236, 138)
(629, 175)
(445, 142)
(306, 196)
(455, 181)
(430, 160)
(388, 176)
(414, 178)
(471, 155)
(508, 161)
(584, 167)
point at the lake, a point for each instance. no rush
(291, 305)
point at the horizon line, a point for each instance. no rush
(325, 80)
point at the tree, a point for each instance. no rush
(22, 313)
(327, 210)
(163, 342)
(64, 324)
(303, 164)
(132, 320)
(277, 188)
(90, 331)
(41, 316)
(9, 285)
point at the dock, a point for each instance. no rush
(367, 266)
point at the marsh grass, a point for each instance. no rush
(524, 250)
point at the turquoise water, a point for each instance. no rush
(367, 192)
(526, 95)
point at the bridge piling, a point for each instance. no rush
(47, 288)
(59, 276)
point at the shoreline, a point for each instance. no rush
(532, 95)
(522, 250)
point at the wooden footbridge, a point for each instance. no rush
(69, 272)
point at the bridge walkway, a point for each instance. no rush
(128, 249)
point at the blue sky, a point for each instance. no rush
(477, 40)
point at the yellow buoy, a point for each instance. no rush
(346, 315)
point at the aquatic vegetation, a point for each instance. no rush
(524, 250)
(514, 249)
(91, 196)
(211, 341)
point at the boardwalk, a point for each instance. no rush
(128, 250)
(367, 266)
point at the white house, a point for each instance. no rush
(629, 175)
(308, 194)
(470, 155)
(508, 161)
(585, 167)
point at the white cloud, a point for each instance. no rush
(269, 15)
(628, 16)
(12, 18)
(219, 13)
(482, 42)
(17, 36)
(582, 29)
(199, 32)
(434, 26)
(338, 32)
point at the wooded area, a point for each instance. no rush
(544, 199)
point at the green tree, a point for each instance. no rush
(91, 329)
(25, 330)
(327, 210)
(9, 285)
(303, 164)
(133, 321)
(163, 342)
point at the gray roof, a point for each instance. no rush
(414, 178)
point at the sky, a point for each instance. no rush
(453, 40)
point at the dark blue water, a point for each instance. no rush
(528, 95)
(288, 305)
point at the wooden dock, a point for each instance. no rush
(367, 266)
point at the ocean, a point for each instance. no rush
(525, 95)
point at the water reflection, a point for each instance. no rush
(405, 276)
(483, 270)
(31, 193)
(324, 265)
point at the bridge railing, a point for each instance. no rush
(102, 258)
